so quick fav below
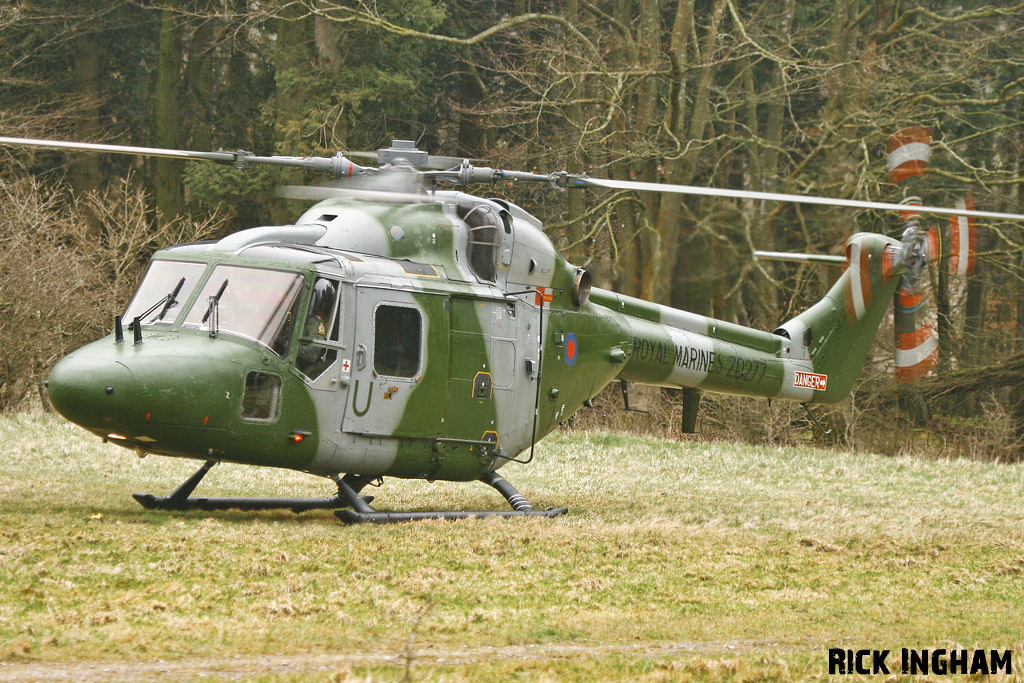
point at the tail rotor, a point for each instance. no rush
(917, 341)
(914, 316)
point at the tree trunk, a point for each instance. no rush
(632, 259)
(578, 252)
(199, 76)
(839, 173)
(652, 245)
(766, 228)
(292, 57)
(170, 196)
(682, 168)
(943, 319)
(85, 168)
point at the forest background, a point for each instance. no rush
(775, 96)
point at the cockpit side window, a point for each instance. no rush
(322, 327)
(484, 240)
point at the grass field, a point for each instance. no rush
(677, 561)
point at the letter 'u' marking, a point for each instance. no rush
(369, 399)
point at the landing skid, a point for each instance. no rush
(362, 512)
(347, 497)
(181, 500)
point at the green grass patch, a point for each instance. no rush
(677, 561)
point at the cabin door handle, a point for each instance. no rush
(360, 357)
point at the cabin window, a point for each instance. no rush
(485, 228)
(322, 327)
(166, 286)
(397, 331)
(262, 398)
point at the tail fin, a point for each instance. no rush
(837, 332)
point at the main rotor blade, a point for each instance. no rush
(583, 181)
(338, 165)
(223, 157)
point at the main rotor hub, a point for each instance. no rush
(915, 253)
(402, 152)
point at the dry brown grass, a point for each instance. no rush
(754, 558)
(868, 421)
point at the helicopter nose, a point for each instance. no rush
(91, 392)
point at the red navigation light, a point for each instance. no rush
(297, 435)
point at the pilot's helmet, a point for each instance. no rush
(323, 298)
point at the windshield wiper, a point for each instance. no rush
(172, 301)
(212, 313)
(168, 301)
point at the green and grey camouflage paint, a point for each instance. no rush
(500, 337)
(813, 358)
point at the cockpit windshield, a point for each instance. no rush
(167, 285)
(254, 303)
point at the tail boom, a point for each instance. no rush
(812, 358)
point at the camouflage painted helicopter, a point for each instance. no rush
(425, 334)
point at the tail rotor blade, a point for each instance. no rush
(908, 153)
(963, 240)
(917, 342)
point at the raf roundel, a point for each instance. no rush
(570, 349)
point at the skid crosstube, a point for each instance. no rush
(348, 496)
(362, 512)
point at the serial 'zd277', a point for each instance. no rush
(422, 333)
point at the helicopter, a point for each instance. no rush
(398, 329)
